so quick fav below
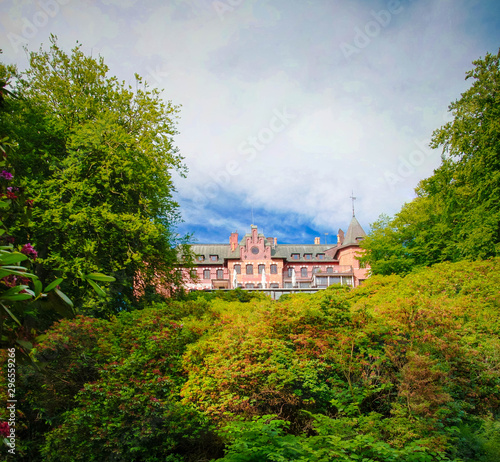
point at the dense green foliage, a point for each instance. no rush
(400, 369)
(456, 215)
(95, 156)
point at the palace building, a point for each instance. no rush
(255, 261)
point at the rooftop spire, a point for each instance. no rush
(353, 199)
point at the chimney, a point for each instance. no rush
(275, 241)
(340, 237)
(317, 240)
(233, 240)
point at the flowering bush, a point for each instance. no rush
(6, 175)
(4, 429)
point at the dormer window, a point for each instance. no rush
(295, 256)
(214, 257)
(308, 256)
(320, 256)
(200, 257)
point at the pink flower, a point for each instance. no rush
(4, 429)
(6, 175)
(29, 251)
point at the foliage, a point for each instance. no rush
(345, 439)
(96, 157)
(401, 368)
(456, 215)
(23, 297)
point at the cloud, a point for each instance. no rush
(361, 120)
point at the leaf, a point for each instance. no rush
(25, 344)
(13, 290)
(16, 298)
(100, 277)
(53, 284)
(14, 257)
(99, 291)
(38, 287)
(64, 297)
(4, 272)
(11, 314)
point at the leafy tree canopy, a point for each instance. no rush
(456, 215)
(96, 156)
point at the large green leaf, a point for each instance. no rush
(16, 298)
(10, 314)
(64, 297)
(53, 284)
(100, 277)
(99, 291)
(14, 257)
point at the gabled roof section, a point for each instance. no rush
(355, 233)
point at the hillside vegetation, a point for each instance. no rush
(400, 369)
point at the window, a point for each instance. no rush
(249, 286)
(274, 269)
(259, 286)
(254, 250)
(320, 256)
(288, 285)
(304, 285)
(308, 256)
(334, 280)
(316, 270)
(214, 257)
(322, 281)
(274, 285)
(237, 268)
(200, 257)
(329, 269)
(303, 272)
(295, 256)
(206, 274)
(249, 269)
(290, 272)
(262, 268)
(347, 280)
(220, 274)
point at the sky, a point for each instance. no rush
(288, 107)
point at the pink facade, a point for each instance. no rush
(256, 261)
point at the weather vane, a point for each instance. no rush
(353, 199)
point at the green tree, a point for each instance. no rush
(456, 215)
(96, 156)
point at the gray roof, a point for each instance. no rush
(286, 251)
(222, 251)
(354, 232)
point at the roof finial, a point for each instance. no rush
(353, 199)
(252, 216)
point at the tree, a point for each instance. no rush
(96, 157)
(456, 215)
